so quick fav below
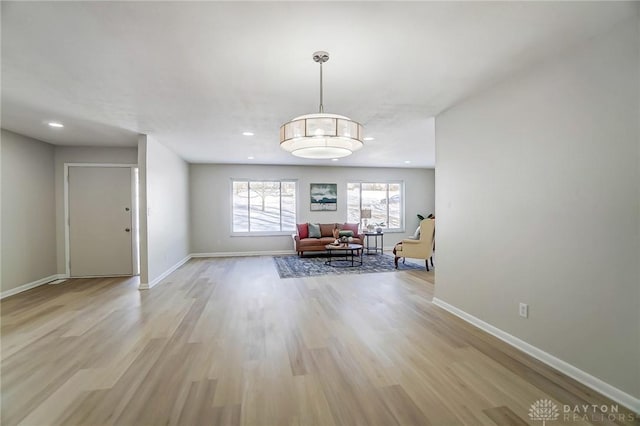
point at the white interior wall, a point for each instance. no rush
(28, 224)
(538, 201)
(76, 154)
(211, 202)
(164, 197)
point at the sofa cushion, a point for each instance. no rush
(345, 233)
(318, 243)
(326, 229)
(309, 242)
(314, 230)
(350, 227)
(303, 230)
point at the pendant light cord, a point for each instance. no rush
(321, 106)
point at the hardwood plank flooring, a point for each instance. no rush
(227, 342)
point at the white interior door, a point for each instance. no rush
(100, 221)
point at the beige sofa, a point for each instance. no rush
(305, 243)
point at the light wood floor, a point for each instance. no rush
(226, 341)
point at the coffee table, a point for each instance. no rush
(344, 253)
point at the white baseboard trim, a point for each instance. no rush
(165, 274)
(575, 373)
(147, 286)
(245, 253)
(31, 285)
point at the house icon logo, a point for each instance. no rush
(544, 410)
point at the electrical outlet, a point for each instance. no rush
(524, 310)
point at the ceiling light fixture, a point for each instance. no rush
(321, 136)
(54, 124)
(247, 133)
(369, 138)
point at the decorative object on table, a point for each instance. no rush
(321, 135)
(379, 227)
(310, 266)
(324, 196)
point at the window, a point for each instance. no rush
(263, 206)
(385, 200)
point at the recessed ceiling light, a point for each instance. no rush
(250, 157)
(407, 162)
(247, 133)
(334, 159)
(369, 138)
(54, 124)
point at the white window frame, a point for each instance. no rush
(263, 233)
(385, 182)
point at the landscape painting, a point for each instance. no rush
(324, 197)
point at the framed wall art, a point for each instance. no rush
(324, 197)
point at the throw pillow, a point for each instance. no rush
(326, 229)
(416, 235)
(345, 233)
(314, 230)
(350, 227)
(303, 230)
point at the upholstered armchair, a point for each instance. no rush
(418, 249)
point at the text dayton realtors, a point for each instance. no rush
(595, 413)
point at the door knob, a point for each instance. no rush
(126, 209)
(127, 229)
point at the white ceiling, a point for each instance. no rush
(195, 75)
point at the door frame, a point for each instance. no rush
(135, 244)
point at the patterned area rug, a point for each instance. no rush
(295, 267)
